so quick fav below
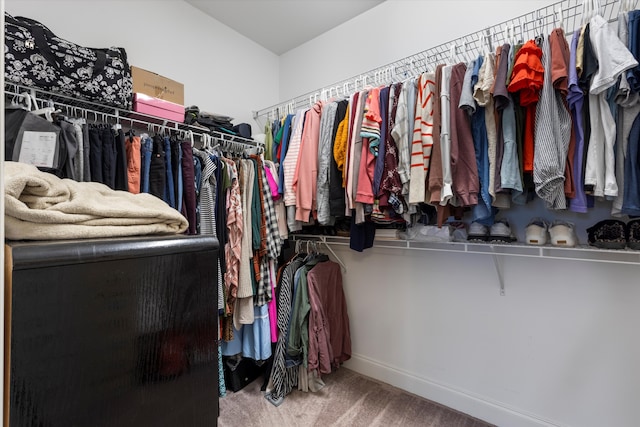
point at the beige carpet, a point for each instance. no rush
(348, 399)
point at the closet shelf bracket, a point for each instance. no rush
(497, 261)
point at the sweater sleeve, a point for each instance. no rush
(400, 134)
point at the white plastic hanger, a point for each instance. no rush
(452, 53)
(559, 14)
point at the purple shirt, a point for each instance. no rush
(575, 98)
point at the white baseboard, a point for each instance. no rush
(470, 403)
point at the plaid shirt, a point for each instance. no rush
(272, 242)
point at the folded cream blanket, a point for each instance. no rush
(41, 206)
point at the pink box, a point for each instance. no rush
(156, 107)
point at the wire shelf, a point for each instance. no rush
(99, 112)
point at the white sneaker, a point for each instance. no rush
(536, 232)
(563, 234)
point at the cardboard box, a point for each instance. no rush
(157, 86)
(156, 107)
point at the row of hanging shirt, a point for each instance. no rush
(313, 325)
(536, 118)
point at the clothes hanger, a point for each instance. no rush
(452, 53)
(559, 17)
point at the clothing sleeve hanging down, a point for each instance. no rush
(575, 98)
(422, 140)
(435, 172)
(560, 57)
(482, 94)
(306, 174)
(510, 177)
(208, 206)
(401, 134)
(370, 133)
(355, 150)
(340, 144)
(382, 148)
(233, 248)
(464, 170)
(324, 162)
(283, 378)
(336, 189)
(274, 242)
(329, 334)
(445, 137)
(391, 182)
(552, 134)
(243, 312)
(291, 159)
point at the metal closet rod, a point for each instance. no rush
(565, 13)
(87, 110)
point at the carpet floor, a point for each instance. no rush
(347, 399)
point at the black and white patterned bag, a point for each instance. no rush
(36, 57)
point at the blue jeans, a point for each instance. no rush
(631, 200)
(169, 194)
(146, 148)
(633, 75)
(482, 212)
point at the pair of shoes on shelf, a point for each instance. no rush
(559, 233)
(615, 234)
(499, 232)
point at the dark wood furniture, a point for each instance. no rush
(114, 332)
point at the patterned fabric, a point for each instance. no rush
(552, 134)
(222, 389)
(99, 75)
(284, 379)
(247, 170)
(207, 206)
(391, 183)
(271, 240)
(401, 134)
(233, 249)
(422, 141)
(274, 242)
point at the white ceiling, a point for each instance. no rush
(281, 25)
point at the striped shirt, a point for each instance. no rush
(401, 134)
(422, 141)
(552, 134)
(208, 191)
(291, 159)
(283, 378)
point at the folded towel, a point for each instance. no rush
(41, 206)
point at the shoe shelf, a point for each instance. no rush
(578, 253)
(498, 251)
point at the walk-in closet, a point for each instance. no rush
(327, 213)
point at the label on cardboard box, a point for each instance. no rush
(158, 86)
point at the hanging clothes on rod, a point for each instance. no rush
(313, 323)
(481, 134)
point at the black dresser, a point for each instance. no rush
(112, 332)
